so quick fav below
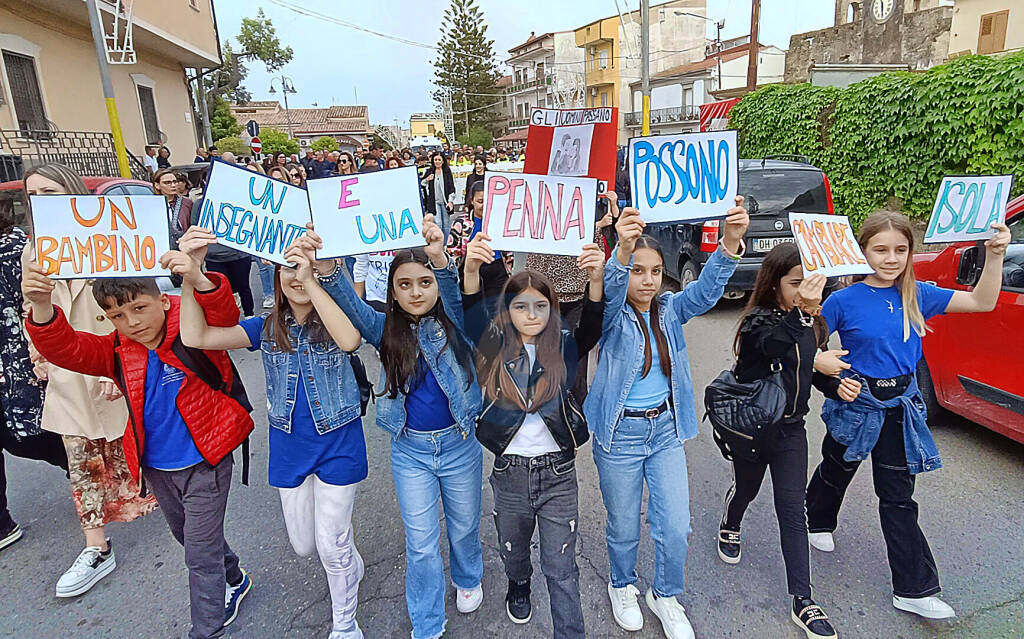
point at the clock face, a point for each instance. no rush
(881, 10)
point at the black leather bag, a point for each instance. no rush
(743, 415)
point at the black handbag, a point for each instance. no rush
(743, 415)
(362, 381)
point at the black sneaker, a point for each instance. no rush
(10, 534)
(517, 602)
(811, 619)
(729, 546)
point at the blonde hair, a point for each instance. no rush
(61, 174)
(879, 222)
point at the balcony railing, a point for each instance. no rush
(689, 113)
(523, 86)
(87, 152)
(518, 124)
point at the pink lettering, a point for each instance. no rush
(345, 202)
(571, 220)
(496, 185)
(512, 207)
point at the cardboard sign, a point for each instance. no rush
(539, 213)
(967, 207)
(253, 213)
(89, 236)
(690, 176)
(367, 212)
(827, 245)
(573, 142)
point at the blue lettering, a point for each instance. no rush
(268, 196)
(969, 216)
(362, 235)
(994, 213)
(406, 223)
(723, 187)
(668, 146)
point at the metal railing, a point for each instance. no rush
(87, 152)
(523, 86)
(689, 113)
(513, 124)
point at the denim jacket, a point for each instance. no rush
(622, 346)
(465, 402)
(857, 425)
(326, 371)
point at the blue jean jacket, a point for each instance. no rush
(622, 346)
(857, 425)
(465, 402)
(326, 371)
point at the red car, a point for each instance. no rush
(971, 363)
(97, 185)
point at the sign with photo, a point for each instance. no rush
(574, 143)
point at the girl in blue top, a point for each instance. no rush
(317, 450)
(881, 320)
(645, 410)
(429, 404)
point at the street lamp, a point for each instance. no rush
(287, 86)
(719, 25)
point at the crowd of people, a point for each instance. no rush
(131, 392)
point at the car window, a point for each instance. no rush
(117, 189)
(773, 191)
(1013, 263)
(137, 189)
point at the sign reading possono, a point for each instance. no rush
(691, 176)
(253, 213)
(87, 236)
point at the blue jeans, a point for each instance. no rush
(427, 466)
(266, 278)
(646, 449)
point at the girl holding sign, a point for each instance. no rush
(428, 405)
(646, 411)
(528, 367)
(881, 320)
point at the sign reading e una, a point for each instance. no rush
(967, 207)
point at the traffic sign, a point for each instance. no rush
(255, 145)
(253, 128)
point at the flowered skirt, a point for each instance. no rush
(101, 484)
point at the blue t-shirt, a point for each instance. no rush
(869, 321)
(169, 444)
(426, 405)
(650, 391)
(337, 457)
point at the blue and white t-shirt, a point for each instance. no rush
(168, 442)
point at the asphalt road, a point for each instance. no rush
(970, 510)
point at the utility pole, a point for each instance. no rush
(718, 49)
(645, 66)
(108, 89)
(755, 48)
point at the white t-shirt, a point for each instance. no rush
(533, 438)
(149, 161)
(372, 268)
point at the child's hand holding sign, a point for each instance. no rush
(36, 287)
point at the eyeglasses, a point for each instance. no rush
(166, 183)
(294, 175)
(344, 160)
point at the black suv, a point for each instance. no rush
(772, 189)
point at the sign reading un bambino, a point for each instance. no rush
(252, 213)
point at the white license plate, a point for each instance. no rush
(765, 244)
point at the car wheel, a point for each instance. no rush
(687, 273)
(927, 386)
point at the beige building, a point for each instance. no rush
(50, 80)
(987, 26)
(425, 124)
(348, 125)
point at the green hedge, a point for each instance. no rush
(891, 138)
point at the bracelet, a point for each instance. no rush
(733, 256)
(323, 277)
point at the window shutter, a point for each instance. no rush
(149, 121)
(25, 93)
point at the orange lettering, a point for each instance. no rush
(822, 236)
(104, 253)
(837, 232)
(149, 252)
(91, 222)
(117, 213)
(812, 260)
(127, 254)
(44, 246)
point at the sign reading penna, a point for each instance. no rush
(252, 213)
(90, 236)
(827, 245)
(967, 207)
(691, 176)
(367, 212)
(539, 213)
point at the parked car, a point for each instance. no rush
(772, 188)
(98, 185)
(971, 363)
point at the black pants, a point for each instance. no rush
(237, 272)
(914, 573)
(786, 456)
(46, 446)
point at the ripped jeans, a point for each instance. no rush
(541, 492)
(318, 517)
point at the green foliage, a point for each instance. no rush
(465, 66)
(222, 123)
(889, 139)
(259, 41)
(325, 143)
(234, 144)
(478, 136)
(274, 141)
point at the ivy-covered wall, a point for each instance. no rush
(894, 136)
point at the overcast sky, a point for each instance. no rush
(335, 64)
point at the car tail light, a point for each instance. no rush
(709, 236)
(828, 195)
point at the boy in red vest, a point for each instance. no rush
(187, 410)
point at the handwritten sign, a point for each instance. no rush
(253, 213)
(691, 176)
(573, 142)
(367, 212)
(539, 213)
(827, 245)
(967, 207)
(88, 236)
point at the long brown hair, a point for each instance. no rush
(276, 326)
(648, 242)
(502, 342)
(879, 222)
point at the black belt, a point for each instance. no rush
(649, 413)
(547, 459)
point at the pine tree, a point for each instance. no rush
(465, 66)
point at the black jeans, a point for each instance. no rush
(46, 446)
(786, 455)
(914, 573)
(237, 272)
(541, 492)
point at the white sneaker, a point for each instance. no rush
(928, 607)
(672, 615)
(468, 601)
(625, 608)
(351, 634)
(268, 302)
(90, 566)
(823, 541)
